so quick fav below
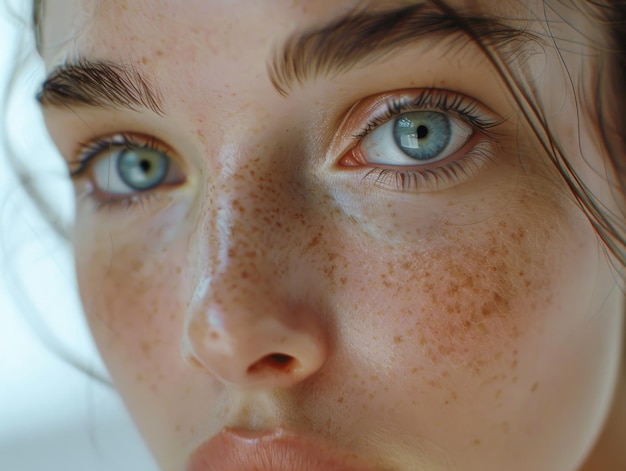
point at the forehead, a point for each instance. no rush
(223, 27)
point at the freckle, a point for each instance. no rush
(139, 378)
(434, 383)
(397, 339)
(340, 400)
(498, 393)
(146, 348)
(534, 387)
(476, 442)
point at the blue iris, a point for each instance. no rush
(422, 135)
(142, 168)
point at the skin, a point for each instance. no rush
(473, 326)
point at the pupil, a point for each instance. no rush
(421, 131)
(145, 166)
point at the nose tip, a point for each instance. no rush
(249, 344)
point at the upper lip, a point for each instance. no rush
(270, 450)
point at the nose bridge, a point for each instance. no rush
(240, 270)
(232, 221)
(244, 323)
(248, 205)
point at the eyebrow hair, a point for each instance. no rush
(364, 36)
(357, 38)
(100, 84)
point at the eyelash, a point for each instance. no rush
(403, 179)
(465, 108)
(91, 149)
(88, 151)
(441, 100)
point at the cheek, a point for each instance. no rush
(130, 285)
(460, 319)
(458, 290)
(131, 305)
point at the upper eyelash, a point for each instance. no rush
(91, 149)
(465, 107)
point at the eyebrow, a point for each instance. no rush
(100, 84)
(365, 36)
(360, 37)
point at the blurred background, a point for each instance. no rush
(52, 415)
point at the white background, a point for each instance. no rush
(52, 416)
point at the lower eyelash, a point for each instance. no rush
(434, 179)
(123, 203)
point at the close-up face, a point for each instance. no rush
(324, 235)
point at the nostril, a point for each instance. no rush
(276, 362)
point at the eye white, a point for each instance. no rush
(112, 175)
(380, 146)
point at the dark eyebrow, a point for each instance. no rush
(364, 36)
(99, 84)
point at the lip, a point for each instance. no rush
(273, 450)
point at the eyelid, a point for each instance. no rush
(353, 124)
(371, 113)
(472, 140)
(87, 151)
(386, 107)
(90, 153)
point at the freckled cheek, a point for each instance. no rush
(441, 310)
(467, 302)
(131, 296)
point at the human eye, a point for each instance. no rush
(126, 168)
(423, 141)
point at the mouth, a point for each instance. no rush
(273, 450)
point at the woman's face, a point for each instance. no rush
(293, 231)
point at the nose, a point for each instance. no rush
(249, 323)
(247, 337)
